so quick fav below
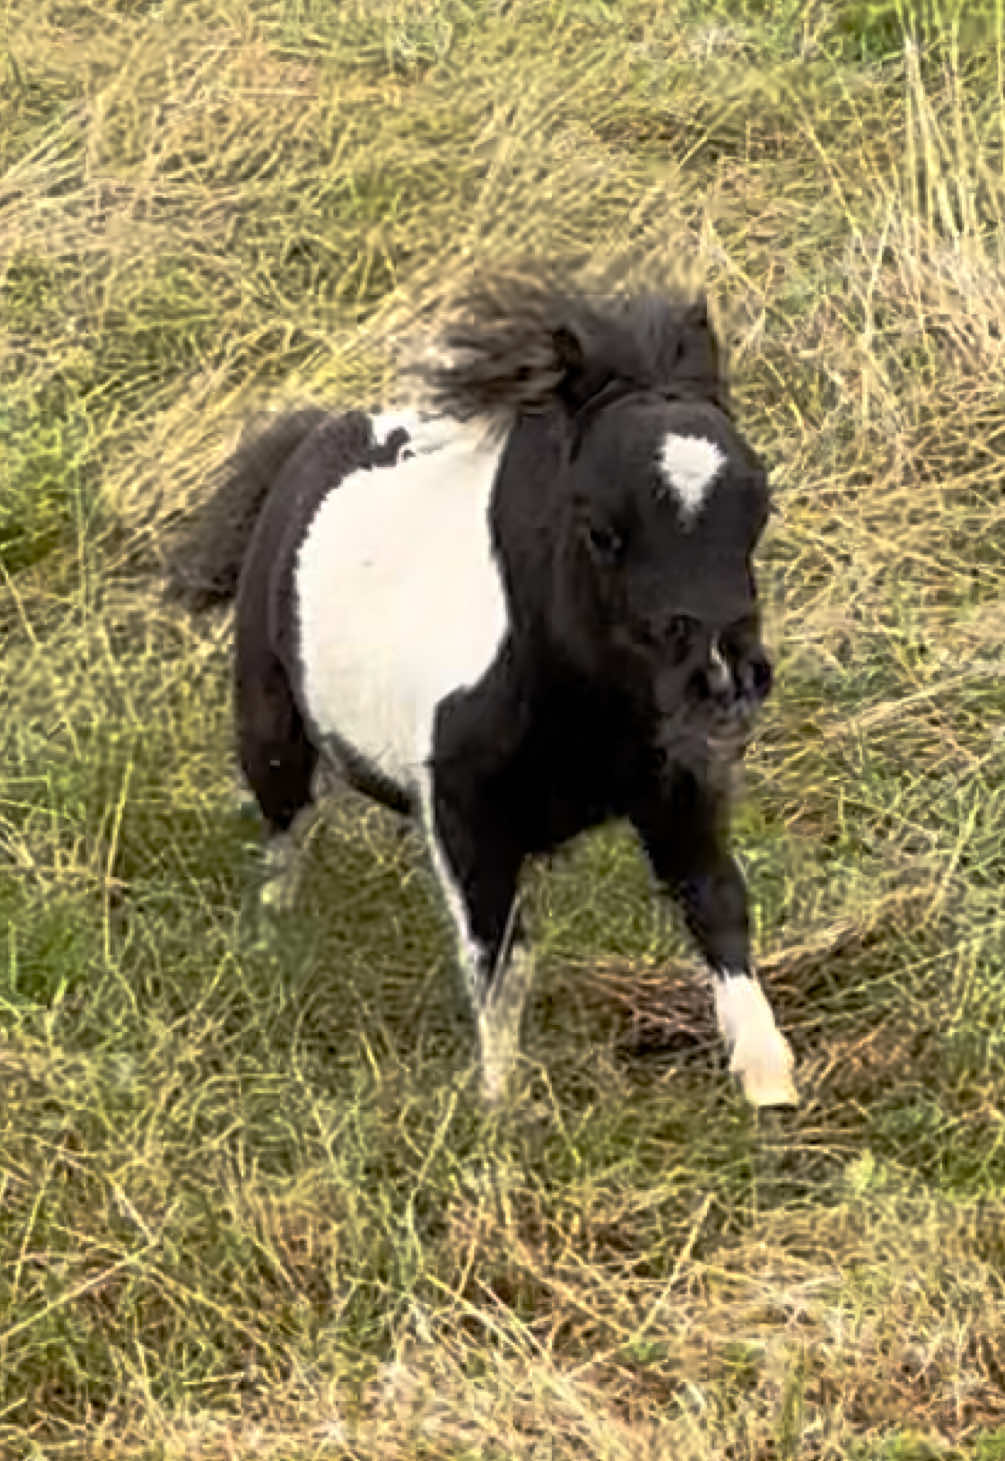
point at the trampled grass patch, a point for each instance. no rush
(249, 1202)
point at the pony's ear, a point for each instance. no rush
(578, 377)
(696, 314)
(697, 346)
(570, 356)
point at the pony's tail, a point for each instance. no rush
(204, 562)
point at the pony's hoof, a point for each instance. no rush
(278, 889)
(277, 896)
(766, 1072)
(494, 1085)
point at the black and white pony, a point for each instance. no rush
(518, 614)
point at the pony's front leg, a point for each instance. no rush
(478, 861)
(499, 1016)
(683, 831)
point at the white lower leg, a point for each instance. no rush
(278, 887)
(499, 1014)
(760, 1054)
(281, 861)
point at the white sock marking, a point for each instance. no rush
(499, 1022)
(282, 858)
(761, 1056)
(690, 465)
(278, 887)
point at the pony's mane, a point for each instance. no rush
(520, 342)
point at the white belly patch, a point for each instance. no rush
(399, 595)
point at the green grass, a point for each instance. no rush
(249, 1202)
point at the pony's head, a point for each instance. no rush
(650, 590)
(666, 504)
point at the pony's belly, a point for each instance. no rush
(399, 603)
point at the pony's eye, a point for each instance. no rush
(679, 633)
(604, 541)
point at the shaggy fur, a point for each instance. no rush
(520, 341)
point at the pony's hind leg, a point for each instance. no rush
(278, 759)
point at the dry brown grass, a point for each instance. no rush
(247, 1206)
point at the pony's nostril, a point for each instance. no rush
(761, 674)
(754, 676)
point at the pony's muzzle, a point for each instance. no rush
(727, 693)
(731, 687)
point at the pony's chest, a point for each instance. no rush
(575, 768)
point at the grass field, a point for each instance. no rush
(249, 1203)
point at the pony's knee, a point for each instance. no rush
(276, 755)
(281, 775)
